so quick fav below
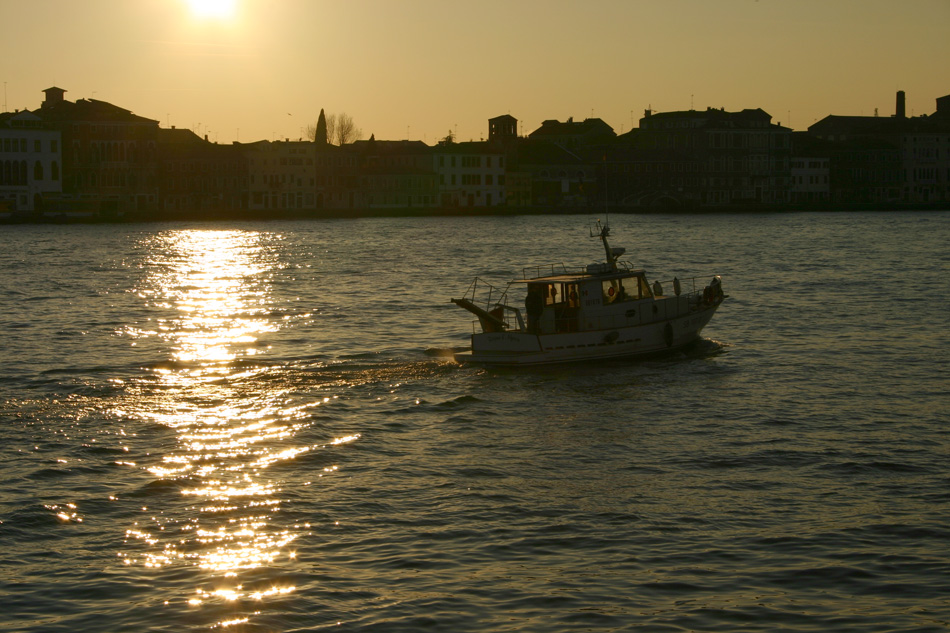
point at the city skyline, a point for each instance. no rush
(245, 70)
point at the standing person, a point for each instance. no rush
(534, 304)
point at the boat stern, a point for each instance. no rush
(502, 348)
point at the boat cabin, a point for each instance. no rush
(570, 302)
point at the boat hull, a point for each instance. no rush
(521, 348)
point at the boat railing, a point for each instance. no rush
(688, 286)
(495, 302)
(544, 270)
(480, 291)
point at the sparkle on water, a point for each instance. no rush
(213, 288)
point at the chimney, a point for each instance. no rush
(901, 110)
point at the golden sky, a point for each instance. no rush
(261, 69)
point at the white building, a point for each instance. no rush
(810, 179)
(470, 174)
(281, 175)
(30, 162)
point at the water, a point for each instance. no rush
(258, 427)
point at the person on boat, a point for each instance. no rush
(534, 304)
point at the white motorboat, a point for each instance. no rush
(605, 310)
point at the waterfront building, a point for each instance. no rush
(559, 178)
(30, 163)
(809, 170)
(394, 174)
(574, 135)
(109, 154)
(865, 170)
(470, 174)
(699, 158)
(922, 146)
(281, 175)
(337, 177)
(196, 175)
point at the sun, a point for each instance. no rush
(213, 9)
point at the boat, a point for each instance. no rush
(604, 310)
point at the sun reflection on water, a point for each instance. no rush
(212, 292)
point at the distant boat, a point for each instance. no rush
(606, 310)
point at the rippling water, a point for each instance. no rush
(259, 427)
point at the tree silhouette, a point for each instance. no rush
(338, 129)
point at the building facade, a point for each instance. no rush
(470, 174)
(810, 170)
(921, 145)
(30, 163)
(393, 175)
(281, 175)
(110, 156)
(574, 135)
(701, 159)
(199, 176)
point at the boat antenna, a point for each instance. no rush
(603, 232)
(604, 229)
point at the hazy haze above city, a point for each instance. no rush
(262, 69)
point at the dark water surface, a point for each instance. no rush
(258, 427)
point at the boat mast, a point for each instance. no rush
(611, 260)
(612, 254)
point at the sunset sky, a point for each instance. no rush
(261, 69)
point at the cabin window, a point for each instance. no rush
(628, 289)
(614, 290)
(564, 295)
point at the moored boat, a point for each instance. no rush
(605, 310)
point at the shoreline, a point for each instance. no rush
(339, 214)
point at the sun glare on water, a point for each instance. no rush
(213, 9)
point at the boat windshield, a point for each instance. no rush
(627, 289)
